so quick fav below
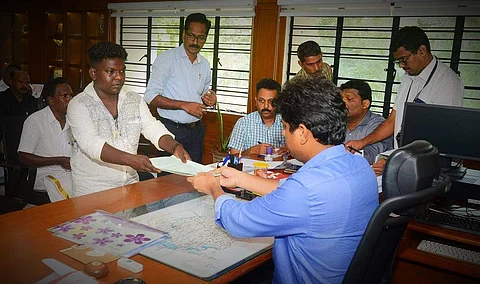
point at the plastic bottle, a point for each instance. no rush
(268, 156)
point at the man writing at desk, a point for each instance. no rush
(106, 124)
(427, 80)
(263, 125)
(317, 215)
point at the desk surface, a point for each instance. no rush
(25, 241)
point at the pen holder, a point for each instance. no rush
(236, 166)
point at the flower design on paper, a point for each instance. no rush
(85, 228)
(120, 245)
(138, 239)
(79, 236)
(116, 235)
(102, 242)
(105, 231)
(64, 228)
(85, 220)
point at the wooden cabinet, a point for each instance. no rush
(52, 43)
(69, 36)
(14, 39)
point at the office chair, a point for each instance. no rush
(19, 180)
(411, 180)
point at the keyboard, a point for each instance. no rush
(450, 251)
(449, 221)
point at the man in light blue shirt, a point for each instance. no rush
(179, 84)
(317, 215)
(257, 130)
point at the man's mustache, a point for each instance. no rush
(194, 45)
(266, 110)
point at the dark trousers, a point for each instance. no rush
(190, 137)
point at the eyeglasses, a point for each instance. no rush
(193, 37)
(403, 60)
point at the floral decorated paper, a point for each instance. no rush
(104, 231)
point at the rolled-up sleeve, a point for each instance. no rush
(158, 78)
(152, 129)
(83, 129)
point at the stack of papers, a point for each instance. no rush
(174, 165)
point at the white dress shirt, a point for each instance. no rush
(42, 135)
(445, 88)
(93, 126)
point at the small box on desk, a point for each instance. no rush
(236, 166)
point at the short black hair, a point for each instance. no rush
(269, 84)
(307, 49)
(316, 103)
(51, 86)
(15, 71)
(10, 68)
(106, 50)
(410, 38)
(361, 86)
(197, 18)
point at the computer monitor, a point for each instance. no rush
(455, 131)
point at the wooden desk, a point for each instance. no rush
(25, 241)
(415, 266)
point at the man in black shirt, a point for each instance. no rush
(18, 100)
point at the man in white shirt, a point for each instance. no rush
(106, 123)
(427, 80)
(46, 142)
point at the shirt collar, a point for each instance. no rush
(364, 120)
(427, 70)
(52, 119)
(90, 90)
(325, 155)
(259, 120)
(183, 54)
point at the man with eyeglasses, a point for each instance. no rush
(179, 87)
(427, 80)
(46, 142)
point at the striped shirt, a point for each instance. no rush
(250, 129)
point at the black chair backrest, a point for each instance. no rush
(411, 180)
(11, 129)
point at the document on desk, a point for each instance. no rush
(174, 165)
(197, 245)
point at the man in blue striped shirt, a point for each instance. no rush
(257, 130)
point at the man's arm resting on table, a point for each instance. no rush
(33, 160)
(383, 131)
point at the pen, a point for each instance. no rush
(240, 154)
(355, 150)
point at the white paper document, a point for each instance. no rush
(174, 165)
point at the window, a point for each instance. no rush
(358, 48)
(227, 49)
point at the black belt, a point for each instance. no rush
(190, 125)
